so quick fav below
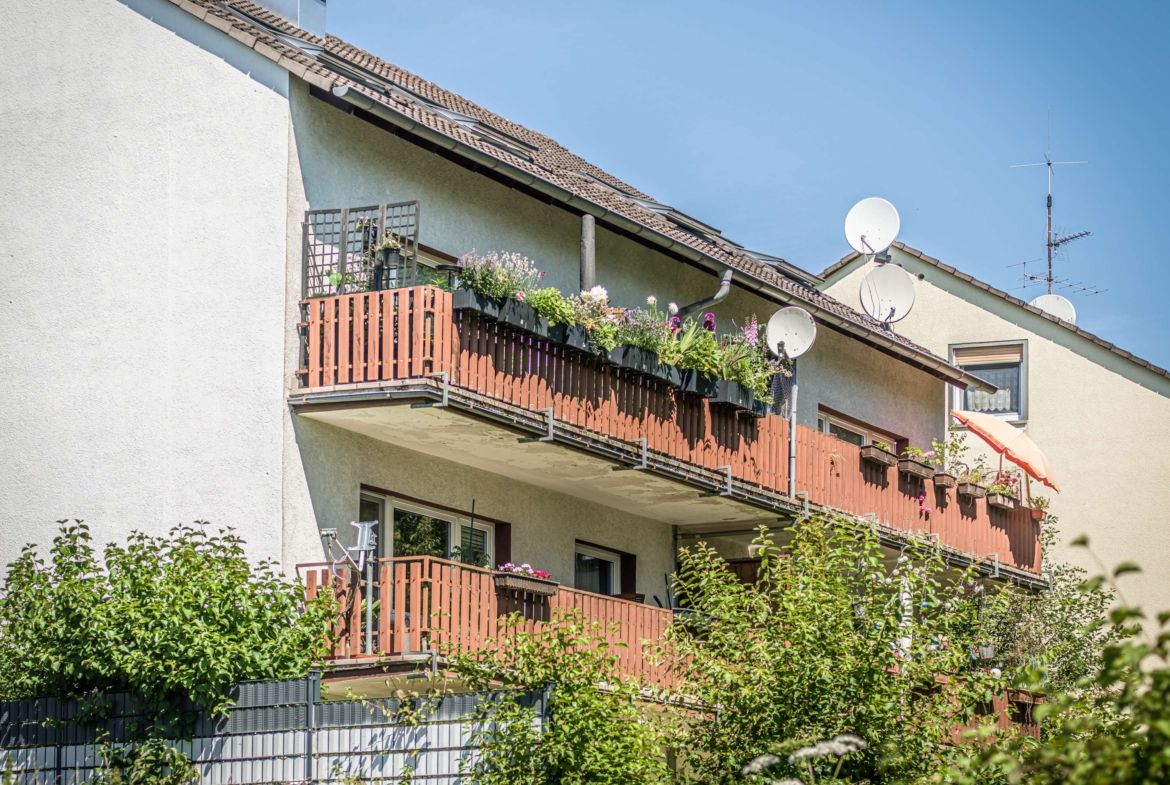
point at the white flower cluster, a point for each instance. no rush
(596, 296)
(840, 746)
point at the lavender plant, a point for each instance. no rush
(500, 275)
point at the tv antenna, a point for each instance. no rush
(1053, 243)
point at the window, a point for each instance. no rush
(852, 431)
(416, 530)
(597, 570)
(1002, 364)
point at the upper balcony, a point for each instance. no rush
(404, 365)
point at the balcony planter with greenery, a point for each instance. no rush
(1004, 493)
(912, 463)
(522, 578)
(698, 383)
(879, 453)
(944, 480)
(1039, 508)
(760, 408)
(634, 358)
(733, 394)
(522, 316)
(971, 490)
(467, 300)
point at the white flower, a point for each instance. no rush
(673, 308)
(596, 294)
(759, 763)
(651, 300)
(996, 672)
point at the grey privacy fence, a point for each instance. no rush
(277, 732)
(359, 249)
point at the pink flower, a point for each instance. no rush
(519, 295)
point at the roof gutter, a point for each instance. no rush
(357, 98)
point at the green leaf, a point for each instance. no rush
(1080, 542)
(1125, 567)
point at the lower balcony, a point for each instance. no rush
(402, 366)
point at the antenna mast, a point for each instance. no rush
(1053, 243)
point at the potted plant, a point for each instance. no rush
(912, 463)
(744, 363)
(733, 394)
(946, 458)
(970, 479)
(522, 578)
(694, 349)
(1039, 508)
(1003, 494)
(879, 453)
(564, 322)
(985, 649)
(519, 314)
(597, 333)
(641, 334)
(487, 282)
(386, 258)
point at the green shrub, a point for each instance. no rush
(170, 618)
(550, 304)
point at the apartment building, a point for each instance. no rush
(191, 334)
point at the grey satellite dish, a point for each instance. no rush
(872, 225)
(791, 332)
(887, 293)
(1058, 306)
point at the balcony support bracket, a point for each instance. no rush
(727, 488)
(805, 513)
(446, 377)
(548, 437)
(645, 464)
(995, 570)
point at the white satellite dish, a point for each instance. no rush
(872, 225)
(791, 332)
(1058, 306)
(887, 293)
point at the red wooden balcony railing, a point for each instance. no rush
(422, 603)
(405, 334)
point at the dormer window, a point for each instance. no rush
(1002, 364)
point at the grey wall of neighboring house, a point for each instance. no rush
(143, 246)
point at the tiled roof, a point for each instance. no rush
(1013, 300)
(330, 63)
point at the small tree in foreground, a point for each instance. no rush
(600, 730)
(1113, 728)
(833, 640)
(170, 618)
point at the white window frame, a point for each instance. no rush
(610, 556)
(955, 396)
(456, 522)
(869, 435)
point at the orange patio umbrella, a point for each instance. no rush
(1011, 443)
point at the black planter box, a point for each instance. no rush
(574, 336)
(635, 358)
(698, 383)
(730, 393)
(667, 374)
(759, 408)
(467, 300)
(523, 317)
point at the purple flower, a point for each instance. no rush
(709, 322)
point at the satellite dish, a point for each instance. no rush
(791, 332)
(1058, 306)
(872, 225)
(887, 293)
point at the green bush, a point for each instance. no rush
(170, 618)
(553, 306)
(599, 732)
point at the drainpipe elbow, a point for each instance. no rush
(718, 297)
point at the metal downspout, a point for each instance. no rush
(718, 297)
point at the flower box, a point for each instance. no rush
(524, 318)
(972, 490)
(1039, 515)
(759, 408)
(636, 359)
(518, 581)
(385, 260)
(729, 393)
(698, 383)
(1001, 502)
(575, 336)
(874, 454)
(915, 468)
(667, 374)
(467, 300)
(944, 480)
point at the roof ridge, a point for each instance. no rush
(550, 162)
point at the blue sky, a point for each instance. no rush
(769, 120)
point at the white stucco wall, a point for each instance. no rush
(142, 251)
(335, 463)
(1099, 418)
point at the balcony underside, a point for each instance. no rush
(487, 437)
